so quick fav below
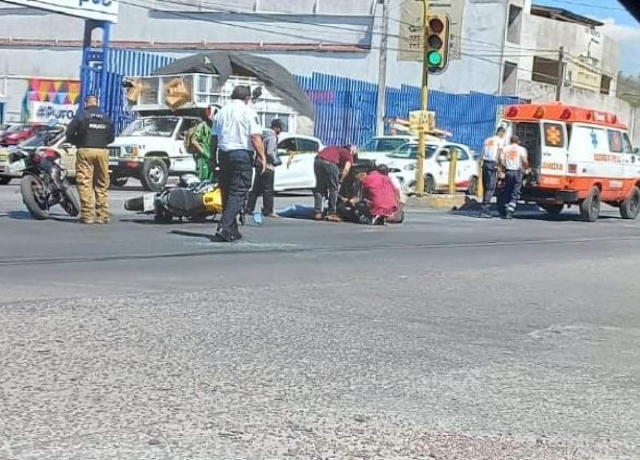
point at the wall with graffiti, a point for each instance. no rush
(51, 99)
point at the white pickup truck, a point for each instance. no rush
(151, 149)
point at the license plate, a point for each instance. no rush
(17, 166)
(149, 202)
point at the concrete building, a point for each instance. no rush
(498, 46)
(327, 36)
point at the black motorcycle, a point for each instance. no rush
(44, 182)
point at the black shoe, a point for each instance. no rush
(485, 215)
(223, 236)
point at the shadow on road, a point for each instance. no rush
(24, 215)
(206, 236)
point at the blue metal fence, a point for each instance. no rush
(345, 108)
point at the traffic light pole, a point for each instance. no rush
(424, 103)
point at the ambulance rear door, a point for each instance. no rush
(554, 141)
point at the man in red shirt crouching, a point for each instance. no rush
(331, 167)
(380, 194)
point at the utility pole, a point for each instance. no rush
(560, 74)
(424, 105)
(382, 72)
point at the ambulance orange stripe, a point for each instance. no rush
(584, 184)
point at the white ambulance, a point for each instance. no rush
(578, 157)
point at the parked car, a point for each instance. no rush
(52, 138)
(151, 149)
(378, 147)
(4, 127)
(298, 153)
(19, 133)
(402, 164)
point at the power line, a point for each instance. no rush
(279, 32)
(265, 28)
(219, 8)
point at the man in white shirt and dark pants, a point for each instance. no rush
(490, 153)
(514, 160)
(237, 133)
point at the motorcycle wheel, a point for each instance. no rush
(69, 201)
(32, 195)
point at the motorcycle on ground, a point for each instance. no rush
(191, 199)
(44, 182)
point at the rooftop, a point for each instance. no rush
(559, 14)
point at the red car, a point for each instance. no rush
(18, 133)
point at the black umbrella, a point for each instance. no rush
(275, 78)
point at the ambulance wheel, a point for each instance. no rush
(590, 207)
(630, 208)
(553, 209)
(154, 175)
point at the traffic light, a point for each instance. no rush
(437, 43)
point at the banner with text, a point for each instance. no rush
(51, 99)
(99, 10)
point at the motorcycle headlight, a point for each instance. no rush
(410, 167)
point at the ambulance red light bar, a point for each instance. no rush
(539, 113)
(512, 111)
(566, 114)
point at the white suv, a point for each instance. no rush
(151, 149)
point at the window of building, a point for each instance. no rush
(605, 85)
(510, 78)
(554, 135)
(545, 71)
(514, 27)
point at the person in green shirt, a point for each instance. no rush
(201, 148)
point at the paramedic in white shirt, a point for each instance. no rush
(514, 160)
(490, 153)
(236, 135)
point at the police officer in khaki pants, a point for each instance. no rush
(91, 131)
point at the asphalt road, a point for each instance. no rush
(449, 337)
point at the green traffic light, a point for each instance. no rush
(434, 58)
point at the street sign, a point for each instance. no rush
(98, 10)
(422, 121)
